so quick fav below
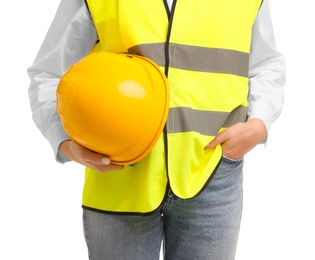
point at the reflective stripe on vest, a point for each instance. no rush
(200, 58)
(204, 47)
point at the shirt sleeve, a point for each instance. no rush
(70, 37)
(266, 71)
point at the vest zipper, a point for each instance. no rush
(170, 15)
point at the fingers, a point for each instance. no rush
(104, 168)
(92, 157)
(240, 138)
(219, 139)
(96, 161)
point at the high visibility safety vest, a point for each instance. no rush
(203, 47)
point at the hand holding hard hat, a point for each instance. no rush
(114, 104)
(93, 160)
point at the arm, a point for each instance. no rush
(266, 81)
(71, 36)
(266, 71)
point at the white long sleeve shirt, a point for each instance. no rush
(72, 35)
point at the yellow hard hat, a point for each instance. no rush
(114, 104)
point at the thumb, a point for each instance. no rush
(97, 158)
(212, 144)
(219, 139)
(105, 160)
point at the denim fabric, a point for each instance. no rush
(204, 227)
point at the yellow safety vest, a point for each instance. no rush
(203, 47)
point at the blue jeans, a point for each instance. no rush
(205, 227)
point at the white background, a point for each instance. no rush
(40, 200)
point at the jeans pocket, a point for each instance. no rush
(231, 161)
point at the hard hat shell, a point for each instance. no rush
(114, 104)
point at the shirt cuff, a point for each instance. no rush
(261, 112)
(55, 136)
